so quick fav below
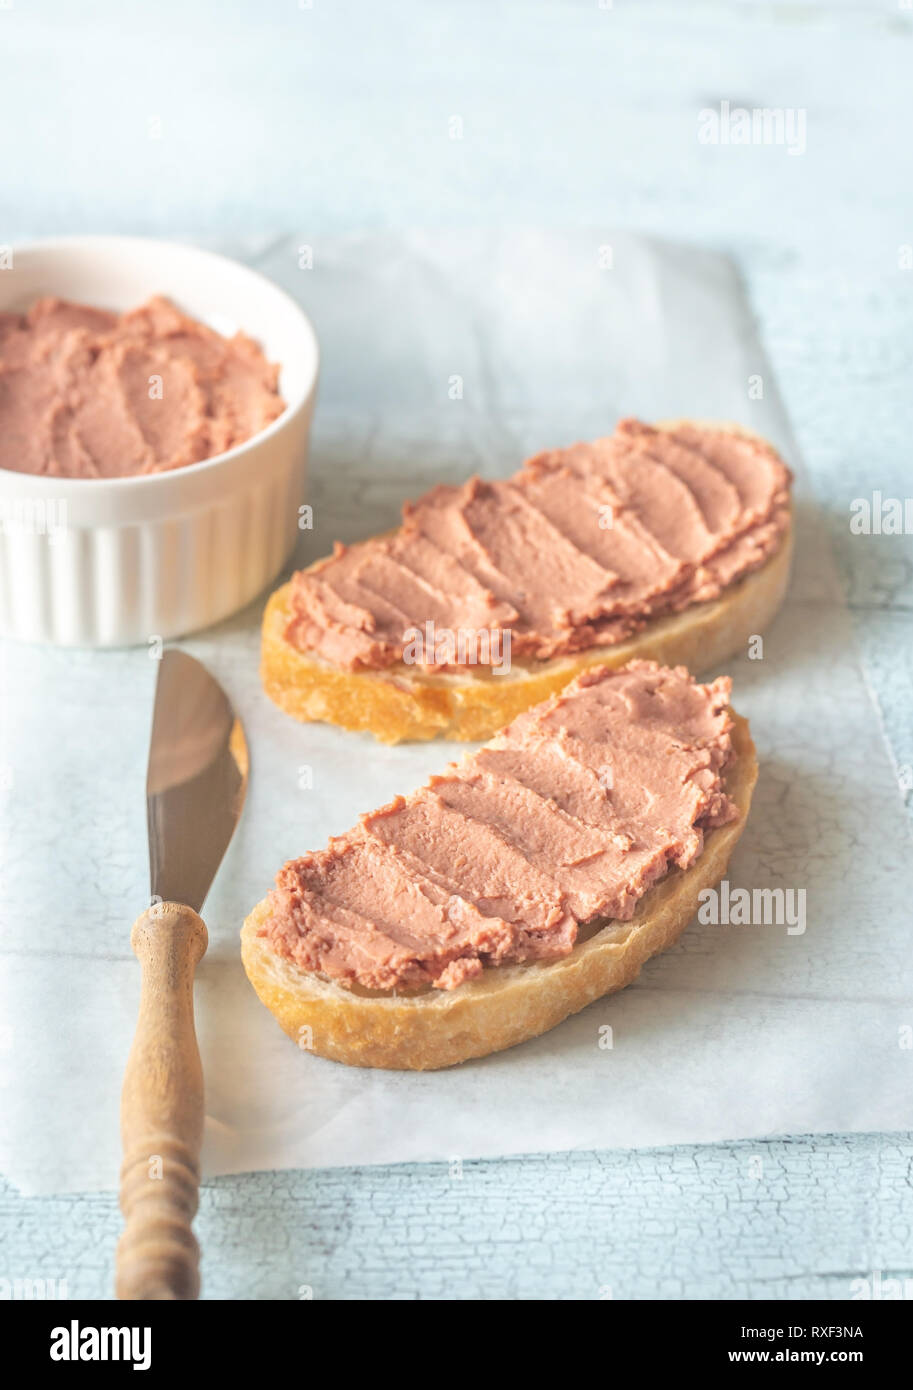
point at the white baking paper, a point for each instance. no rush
(443, 355)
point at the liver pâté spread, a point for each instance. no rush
(580, 548)
(89, 394)
(568, 815)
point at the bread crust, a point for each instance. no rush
(399, 703)
(505, 1005)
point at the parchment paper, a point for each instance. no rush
(444, 355)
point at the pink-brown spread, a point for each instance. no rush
(580, 548)
(568, 815)
(89, 394)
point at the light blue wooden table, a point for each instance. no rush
(333, 117)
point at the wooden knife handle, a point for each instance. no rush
(162, 1113)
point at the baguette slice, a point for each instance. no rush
(400, 703)
(506, 1004)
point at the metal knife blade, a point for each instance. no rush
(196, 779)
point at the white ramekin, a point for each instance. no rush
(111, 562)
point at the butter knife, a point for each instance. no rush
(195, 786)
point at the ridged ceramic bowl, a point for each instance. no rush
(114, 561)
